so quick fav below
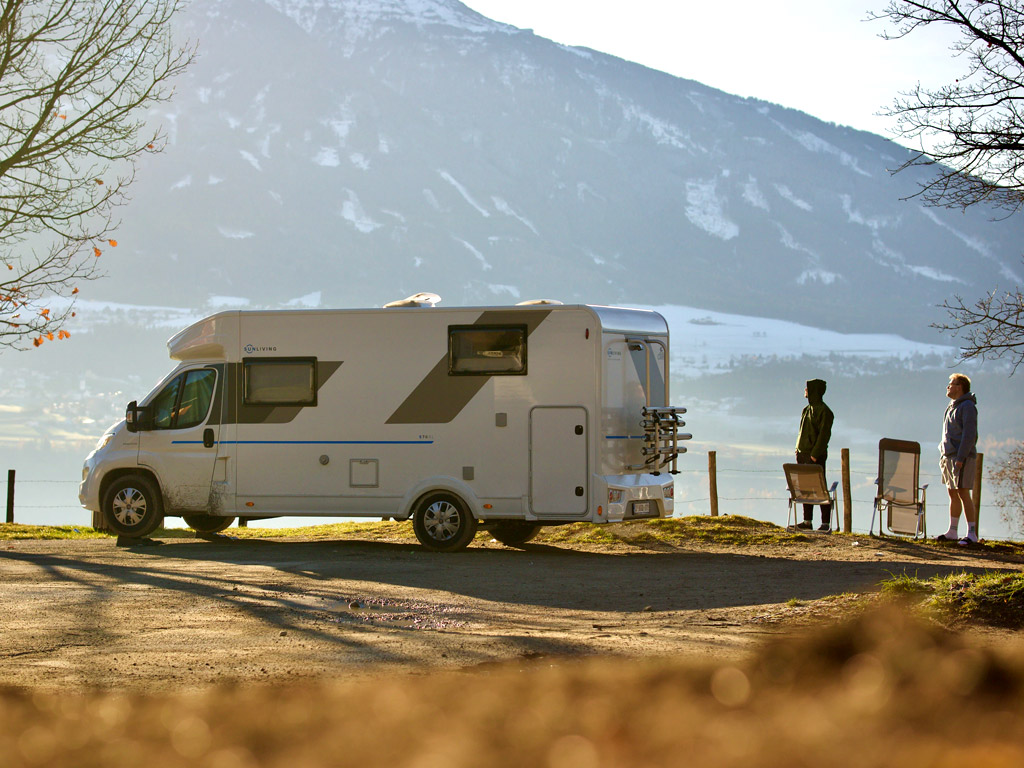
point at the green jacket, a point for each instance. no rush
(815, 423)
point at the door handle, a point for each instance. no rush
(208, 439)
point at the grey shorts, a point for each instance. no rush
(951, 478)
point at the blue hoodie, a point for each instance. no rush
(960, 428)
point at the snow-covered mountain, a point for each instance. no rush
(368, 149)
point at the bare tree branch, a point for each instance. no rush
(971, 134)
(76, 77)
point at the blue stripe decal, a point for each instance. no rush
(308, 442)
(623, 437)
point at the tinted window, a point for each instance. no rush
(280, 382)
(484, 350)
(185, 401)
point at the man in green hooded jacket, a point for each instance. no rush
(812, 444)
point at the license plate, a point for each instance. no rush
(642, 508)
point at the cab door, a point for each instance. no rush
(181, 438)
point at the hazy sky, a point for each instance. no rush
(818, 56)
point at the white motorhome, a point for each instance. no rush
(508, 418)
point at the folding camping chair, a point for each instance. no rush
(899, 500)
(807, 485)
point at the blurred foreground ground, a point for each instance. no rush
(377, 653)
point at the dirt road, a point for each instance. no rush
(86, 613)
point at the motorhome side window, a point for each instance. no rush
(486, 350)
(185, 401)
(280, 381)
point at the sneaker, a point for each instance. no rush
(824, 528)
(805, 525)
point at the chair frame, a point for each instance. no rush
(825, 495)
(883, 507)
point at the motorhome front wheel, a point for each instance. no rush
(132, 506)
(443, 523)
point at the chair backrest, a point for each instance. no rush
(806, 483)
(899, 465)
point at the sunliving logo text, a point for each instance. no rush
(252, 348)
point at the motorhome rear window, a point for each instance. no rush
(280, 381)
(475, 350)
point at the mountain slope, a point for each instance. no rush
(369, 149)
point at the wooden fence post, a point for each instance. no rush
(10, 495)
(976, 495)
(847, 500)
(713, 481)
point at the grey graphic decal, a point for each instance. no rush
(439, 398)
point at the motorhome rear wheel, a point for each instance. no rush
(442, 522)
(207, 523)
(132, 506)
(514, 533)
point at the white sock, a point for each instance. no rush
(954, 526)
(972, 531)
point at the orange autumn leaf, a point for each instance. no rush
(74, 291)
(149, 146)
(44, 312)
(37, 342)
(50, 336)
(9, 266)
(113, 243)
(63, 117)
(63, 335)
(99, 181)
(96, 251)
(74, 314)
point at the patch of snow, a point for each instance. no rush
(705, 342)
(382, 145)
(974, 244)
(182, 183)
(704, 210)
(787, 194)
(327, 157)
(235, 234)
(790, 242)
(933, 274)
(203, 94)
(511, 290)
(250, 158)
(309, 301)
(480, 257)
(660, 130)
(818, 276)
(431, 198)
(752, 194)
(417, 261)
(502, 206)
(818, 145)
(465, 194)
(359, 160)
(352, 211)
(213, 180)
(227, 302)
(873, 223)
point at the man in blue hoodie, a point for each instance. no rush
(812, 445)
(958, 457)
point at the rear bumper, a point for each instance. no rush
(633, 497)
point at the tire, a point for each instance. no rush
(201, 523)
(443, 523)
(514, 533)
(132, 506)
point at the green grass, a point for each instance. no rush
(995, 597)
(12, 531)
(731, 530)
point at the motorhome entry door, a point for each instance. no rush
(558, 462)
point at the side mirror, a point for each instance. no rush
(131, 416)
(137, 418)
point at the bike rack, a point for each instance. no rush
(661, 437)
